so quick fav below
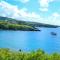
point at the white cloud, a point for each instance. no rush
(54, 19)
(23, 1)
(44, 4)
(56, 14)
(43, 9)
(9, 10)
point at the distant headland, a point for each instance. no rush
(13, 24)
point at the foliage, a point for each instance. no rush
(27, 23)
(5, 25)
(6, 54)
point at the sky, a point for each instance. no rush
(43, 11)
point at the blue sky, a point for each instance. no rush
(44, 11)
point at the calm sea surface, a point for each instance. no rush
(31, 40)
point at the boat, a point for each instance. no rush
(53, 33)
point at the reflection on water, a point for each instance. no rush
(31, 40)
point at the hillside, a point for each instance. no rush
(13, 24)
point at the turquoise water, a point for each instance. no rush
(31, 40)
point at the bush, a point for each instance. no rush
(6, 54)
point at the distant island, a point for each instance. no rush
(13, 24)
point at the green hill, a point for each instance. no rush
(13, 24)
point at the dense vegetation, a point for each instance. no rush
(5, 25)
(9, 23)
(6, 54)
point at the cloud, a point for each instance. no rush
(44, 9)
(13, 11)
(9, 10)
(54, 19)
(55, 14)
(23, 1)
(44, 4)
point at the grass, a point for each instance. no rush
(7, 54)
(10, 26)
